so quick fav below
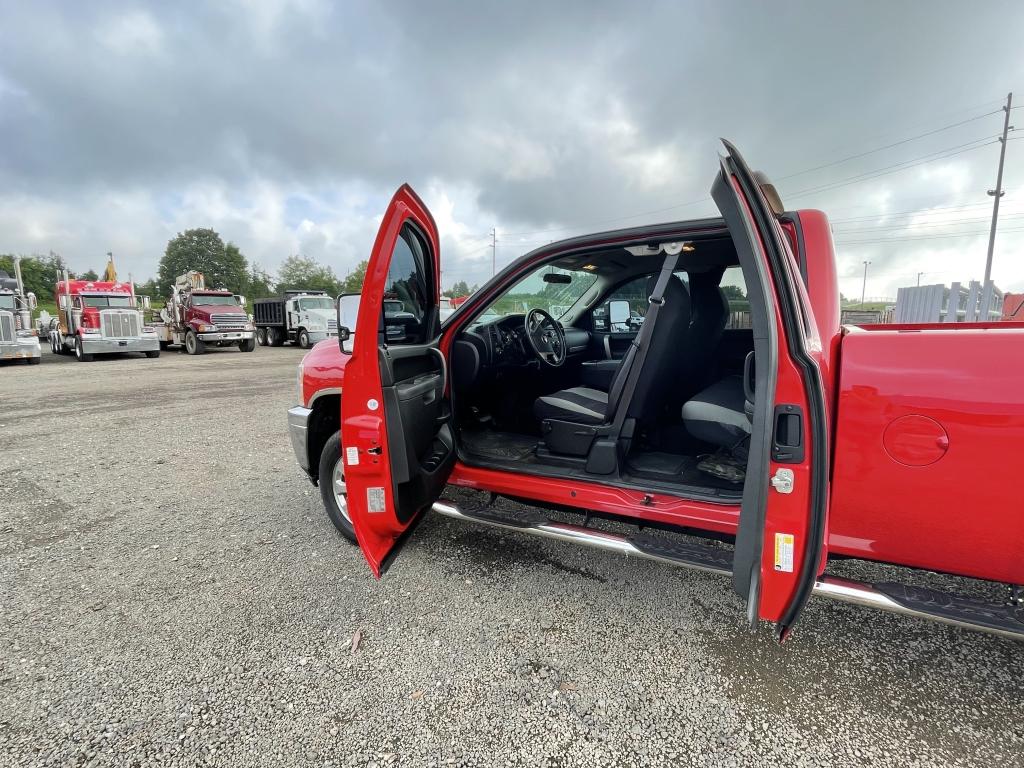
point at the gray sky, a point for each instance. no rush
(287, 124)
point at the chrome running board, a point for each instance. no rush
(919, 602)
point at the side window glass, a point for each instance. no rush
(407, 292)
(633, 292)
(735, 291)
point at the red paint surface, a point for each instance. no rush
(959, 513)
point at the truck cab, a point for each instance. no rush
(18, 340)
(610, 376)
(302, 317)
(196, 318)
(100, 317)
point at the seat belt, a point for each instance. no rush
(642, 341)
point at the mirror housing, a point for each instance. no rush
(240, 299)
(63, 301)
(345, 340)
(618, 312)
(32, 303)
(145, 302)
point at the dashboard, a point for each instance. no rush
(500, 342)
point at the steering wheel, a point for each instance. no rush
(546, 337)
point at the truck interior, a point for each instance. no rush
(621, 363)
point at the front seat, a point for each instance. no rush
(667, 338)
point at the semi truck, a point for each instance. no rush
(18, 340)
(196, 318)
(98, 317)
(770, 453)
(300, 317)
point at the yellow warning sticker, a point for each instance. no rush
(784, 552)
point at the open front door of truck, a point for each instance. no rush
(395, 413)
(780, 543)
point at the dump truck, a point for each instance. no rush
(300, 317)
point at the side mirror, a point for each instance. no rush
(63, 301)
(32, 303)
(618, 312)
(344, 339)
(145, 302)
(241, 300)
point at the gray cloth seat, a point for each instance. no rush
(718, 414)
(582, 405)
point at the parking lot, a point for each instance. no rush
(174, 595)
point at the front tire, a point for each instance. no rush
(153, 353)
(193, 344)
(333, 490)
(304, 339)
(34, 360)
(248, 345)
(80, 354)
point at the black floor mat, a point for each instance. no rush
(676, 468)
(499, 445)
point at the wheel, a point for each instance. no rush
(248, 345)
(35, 360)
(274, 337)
(80, 354)
(304, 339)
(193, 344)
(153, 353)
(261, 336)
(53, 344)
(333, 490)
(164, 345)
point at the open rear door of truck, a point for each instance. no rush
(395, 412)
(780, 543)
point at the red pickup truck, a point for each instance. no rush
(690, 376)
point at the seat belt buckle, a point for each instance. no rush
(659, 300)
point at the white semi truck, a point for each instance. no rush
(18, 339)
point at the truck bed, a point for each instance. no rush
(929, 426)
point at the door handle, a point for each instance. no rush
(788, 434)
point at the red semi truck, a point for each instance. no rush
(99, 317)
(195, 318)
(789, 437)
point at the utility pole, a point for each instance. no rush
(997, 193)
(919, 279)
(864, 285)
(494, 251)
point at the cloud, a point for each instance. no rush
(287, 125)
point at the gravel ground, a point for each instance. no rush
(172, 594)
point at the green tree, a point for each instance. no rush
(301, 272)
(38, 272)
(259, 283)
(353, 282)
(202, 250)
(733, 293)
(89, 274)
(459, 289)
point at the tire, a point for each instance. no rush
(80, 355)
(331, 460)
(53, 344)
(153, 353)
(261, 336)
(304, 339)
(35, 360)
(274, 337)
(164, 345)
(248, 345)
(193, 344)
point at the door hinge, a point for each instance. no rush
(782, 480)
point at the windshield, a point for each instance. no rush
(206, 299)
(532, 292)
(107, 301)
(7, 301)
(316, 302)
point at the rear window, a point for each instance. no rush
(735, 290)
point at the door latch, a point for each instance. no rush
(782, 480)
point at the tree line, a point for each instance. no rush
(222, 263)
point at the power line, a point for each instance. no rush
(889, 146)
(927, 237)
(895, 168)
